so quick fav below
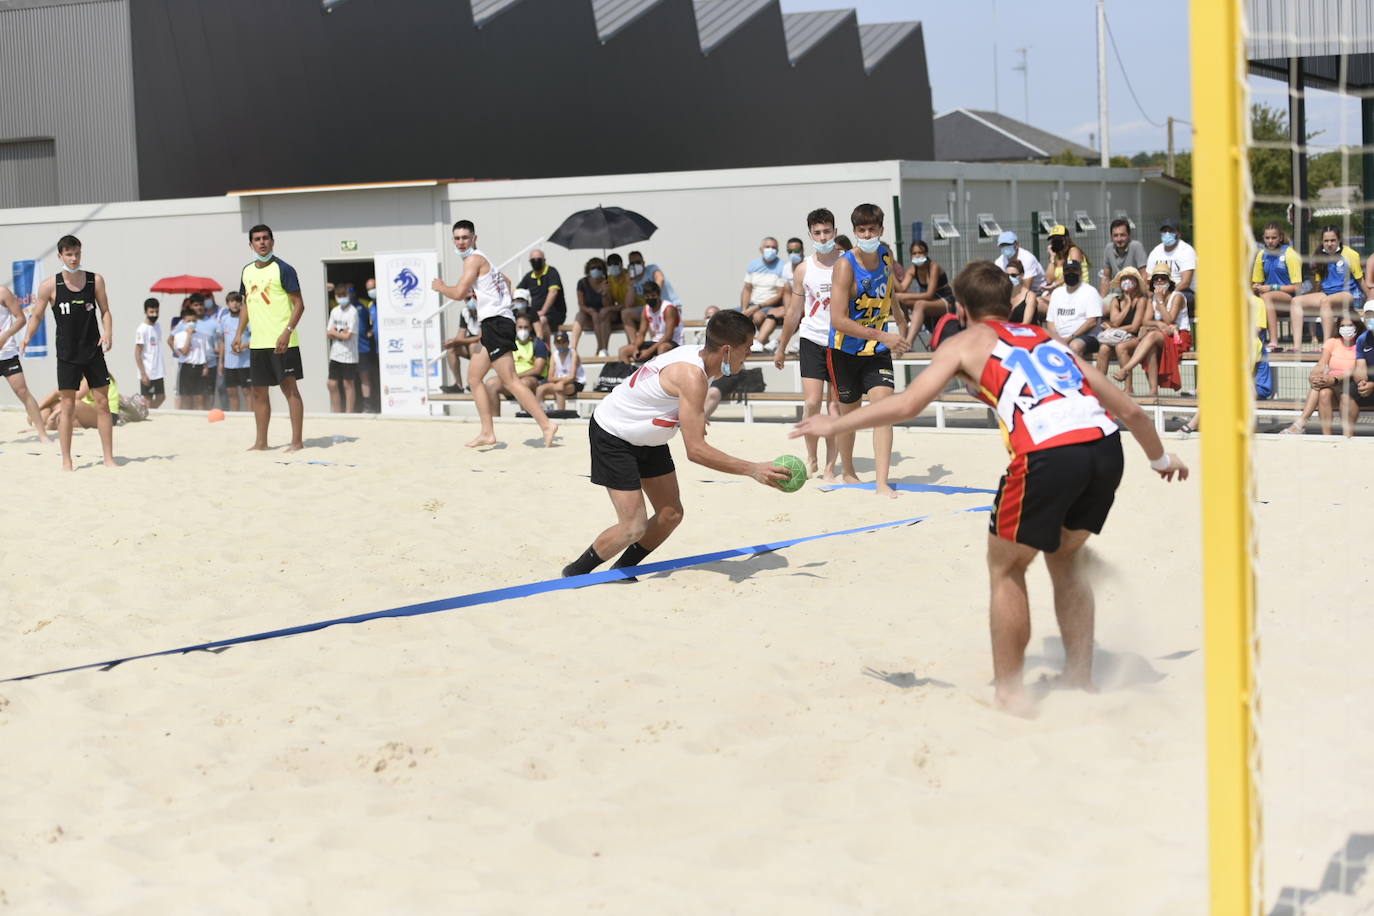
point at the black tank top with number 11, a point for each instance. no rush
(78, 322)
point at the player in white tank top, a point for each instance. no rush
(481, 280)
(13, 323)
(630, 430)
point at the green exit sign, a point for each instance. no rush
(348, 245)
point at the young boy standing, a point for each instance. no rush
(148, 355)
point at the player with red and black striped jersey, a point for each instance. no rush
(1059, 419)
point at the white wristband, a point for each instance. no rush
(1161, 463)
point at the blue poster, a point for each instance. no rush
(27, 276)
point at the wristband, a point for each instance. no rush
(1162, 463)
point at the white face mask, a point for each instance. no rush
(636, 270)
(342, 300)
(1128, 286)
(461, 252)
(522, 334)
(1347, 331)
(918, 261)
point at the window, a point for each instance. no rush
(1083, 222)
(944, 229)
(988, 227)
(1047, 223)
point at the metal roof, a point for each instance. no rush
(718, 19)
(969, 135)
(614, 15)
(1322, 33)
(879, 38)
(485, 10)
(804, 31)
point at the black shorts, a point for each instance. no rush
(854, 376)
(237, 378)
(69, 375)
(10, 367)
(269, 368)
(812, 357)
(192, 381)
(1090, 341)
(153, 388)
(1044, 492)
(556, 317)
(498, 336)
(1363, 401)
(342, 372)
(618, 465)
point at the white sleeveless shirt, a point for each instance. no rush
(658, 322)
(815, 323)
(1183, 323)
(639, 410)
(493, 295)
(561, 365)
(11, 347)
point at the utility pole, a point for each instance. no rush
(1102, 82)
(996, 96)
(1024, 67)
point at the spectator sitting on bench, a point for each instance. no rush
(765, 280)
(593, 306)
(461, 346)
(1333, 372)
(1125, 313)
(1168, 317)
(567, 378)
(1336, 274)
(1275, 279)
(924, 292)
(621, 296)
(531, 357)
(1362, 393)
(659, 328)
(1062, 250)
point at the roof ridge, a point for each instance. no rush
(1003, 131)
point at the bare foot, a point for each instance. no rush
(829, 474)
(850, 478)
(110, 463)
(883, 489)
(295, 446)
(813, 467)
(67, 465)
(258, 447)
(1017, 702)
(550, 433)
(1119, 375)
(482, 440)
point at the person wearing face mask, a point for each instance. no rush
(531, 363)
(342, 331)
(1330, 379)
(462, 345)
(567, 377)
(1121, 252)
(761, 298)
(1182, 261)
(861, 347)
(660, 328)
(621, 297)
(1167, 327)
(189, 347)
(593, 306)
(1362, 391)
(1336, 273)
(236, 365)
(272, 304)
(1275, 279)
(1061, 423)
(147, 355)
(1032, 273)
(1062, 249)
(1025, 305)
(499, 337)
(641, 272)
(546, 294)
(1125, 314)
(924, 291)
(629, 434)
(1075, 311)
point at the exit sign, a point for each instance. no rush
(348, 245)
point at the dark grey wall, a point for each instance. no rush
(269, 93)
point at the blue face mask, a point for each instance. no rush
(725, 365)
(1369, 324)
(825, 247)
(1008, 251)
(868, 246)
(770, 255)
(264, 258)
(596, 273)
(795, 257)
(463, 254)
(1169, 239)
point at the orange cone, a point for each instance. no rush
(216, 415)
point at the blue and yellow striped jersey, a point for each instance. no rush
(871, 307)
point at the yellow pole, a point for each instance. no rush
(1221, 201)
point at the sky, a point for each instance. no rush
(971, 49)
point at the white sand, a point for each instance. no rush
(708, 741)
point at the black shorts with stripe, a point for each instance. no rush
(1045, 492)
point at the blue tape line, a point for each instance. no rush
(906, 487)
(487, 597)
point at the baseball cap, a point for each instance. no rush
(1074, 264)
(1058, 230)
(560, 337)
(1169, 225)
(521, 293)
(1007, 238)
(1368, 307)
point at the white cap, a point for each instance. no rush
(521, 293)
(1368, 306)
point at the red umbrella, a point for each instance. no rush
(186, 284)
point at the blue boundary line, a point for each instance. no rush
(490, 596)
(905, 487)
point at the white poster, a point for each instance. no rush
(404, 297)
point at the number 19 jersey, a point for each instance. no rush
(1040, 395)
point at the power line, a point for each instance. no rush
(1122, 64)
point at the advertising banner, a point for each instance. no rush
(27, 276)
(404, 296)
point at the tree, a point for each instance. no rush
(1066, 157)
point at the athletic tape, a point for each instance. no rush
(489, 597)
(906, 487)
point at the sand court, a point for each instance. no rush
(808, 728)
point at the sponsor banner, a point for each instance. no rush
(404, 294)
(27, 275)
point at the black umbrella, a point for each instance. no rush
(604, 227)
